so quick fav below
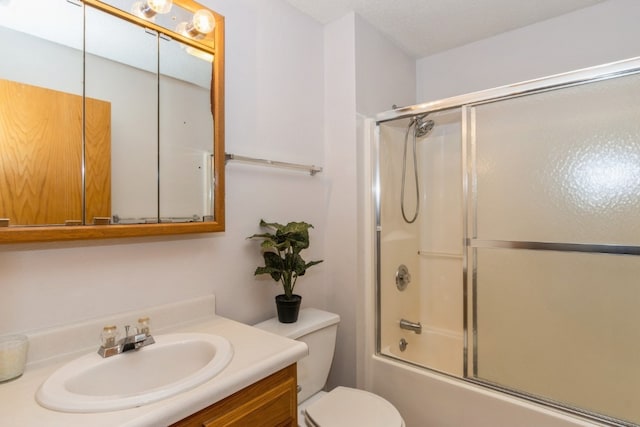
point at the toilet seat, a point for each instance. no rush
(348, 407)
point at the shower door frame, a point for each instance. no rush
(469, 191)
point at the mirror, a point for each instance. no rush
(106, 128)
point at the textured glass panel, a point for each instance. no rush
(561, 166)
(563, 326)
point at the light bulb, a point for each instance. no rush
(149, 8)
(160, 6)
(202, 23)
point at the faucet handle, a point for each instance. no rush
(144, 326)
(109, 336)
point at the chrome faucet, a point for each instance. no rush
(411, 326)
(135, 341)
(111, 347)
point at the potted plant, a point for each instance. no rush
(282, 261)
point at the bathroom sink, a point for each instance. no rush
(174, 364)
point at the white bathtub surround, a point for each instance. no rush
(431, 247)
(256, 354)
(438, 349)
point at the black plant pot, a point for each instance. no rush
(288, 308)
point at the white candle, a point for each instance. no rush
(13, 356)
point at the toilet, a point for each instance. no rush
(342, 406)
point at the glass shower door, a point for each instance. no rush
(554, 246)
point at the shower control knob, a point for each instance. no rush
(403, 278)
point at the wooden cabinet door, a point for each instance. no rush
(271, 402)
(41, 155)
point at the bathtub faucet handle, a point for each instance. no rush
(403, 277)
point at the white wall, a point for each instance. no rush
(595, 35)
(385, 75)
(275, 98)
(340, 154)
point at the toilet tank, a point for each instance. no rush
(317, 329)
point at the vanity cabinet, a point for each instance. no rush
(270, 402)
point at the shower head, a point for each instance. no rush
(422, 126)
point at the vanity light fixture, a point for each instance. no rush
(203, 23)
(205, 56)
(147, 9)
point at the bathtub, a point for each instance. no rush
(429, 399)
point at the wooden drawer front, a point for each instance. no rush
(271, 402)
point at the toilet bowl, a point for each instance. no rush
(342, 406)
(347, 407)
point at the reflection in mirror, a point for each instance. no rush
(121, 69)
(186, 131)
(144, 159)
(40, 113)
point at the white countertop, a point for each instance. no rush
(257, 354)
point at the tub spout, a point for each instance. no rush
(411, 326)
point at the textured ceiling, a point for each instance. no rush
(425, 27)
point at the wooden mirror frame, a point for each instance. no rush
(24, 234)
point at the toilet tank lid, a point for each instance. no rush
(309, 320)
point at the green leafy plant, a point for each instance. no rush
(281, 251)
